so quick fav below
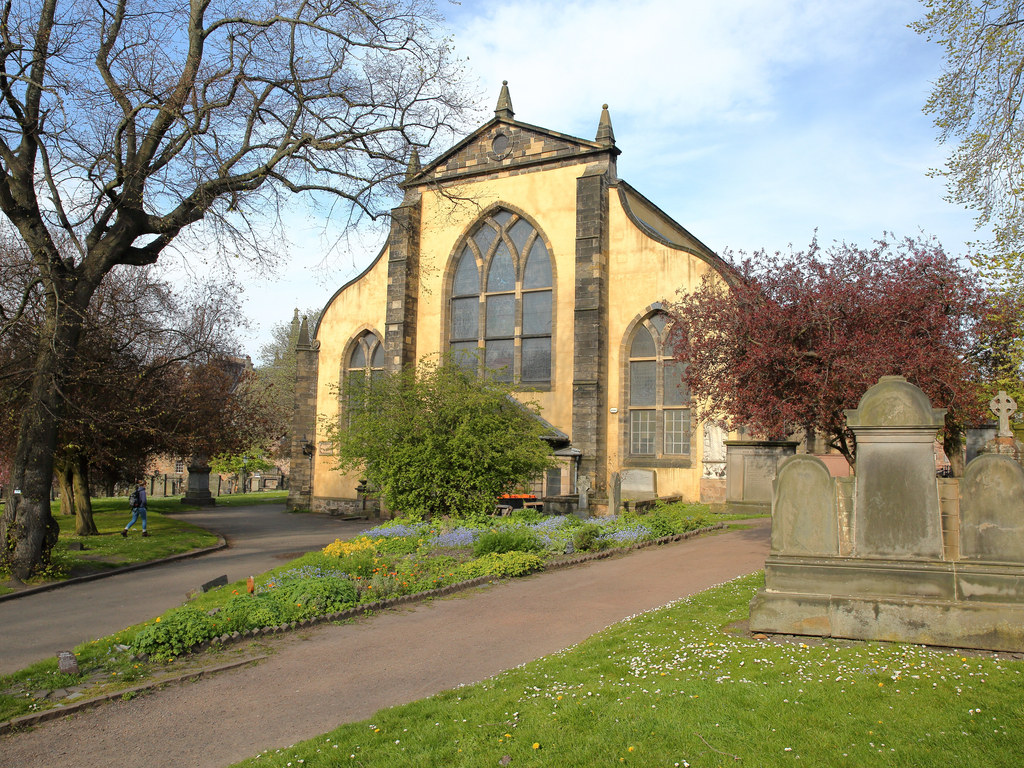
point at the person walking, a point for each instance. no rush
(137, 501)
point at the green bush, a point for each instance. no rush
(525, 515)
(398, 545)
(500, 564)
(318, 596)
(506, 540)
(175, 633)
(587, 538)
(672, 519)
(360, 564)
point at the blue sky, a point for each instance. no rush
(752, 122)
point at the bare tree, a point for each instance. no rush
(125, 122)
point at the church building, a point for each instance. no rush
(525, 244)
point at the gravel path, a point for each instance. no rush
(329, 675)
(259, 538)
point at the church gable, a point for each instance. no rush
(505, 145)
(501, 145)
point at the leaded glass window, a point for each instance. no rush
(509, 312)
(658, 399)
(365, 364)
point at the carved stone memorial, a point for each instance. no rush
(750, 470)
(896, 553)
(198, 492)
(638, 484)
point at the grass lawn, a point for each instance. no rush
(676, 687)
(110, 550)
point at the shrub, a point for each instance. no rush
(398, 545)
(506, 540)
(361, 564)
(319, 596)
(529, 516)
(175, 633)
(500, 564)
(587, 538)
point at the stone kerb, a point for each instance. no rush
(805, 519)
(992, 510)
(897, 502)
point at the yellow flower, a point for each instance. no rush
(631, 749)
(158, 618)
(881, 684)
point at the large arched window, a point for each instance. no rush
(658, 400)
(501, 299)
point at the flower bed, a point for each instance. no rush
(399, 559)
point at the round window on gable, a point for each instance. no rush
(500, 145)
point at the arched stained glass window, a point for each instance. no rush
(659, 401)
(510, 315)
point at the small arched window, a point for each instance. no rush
(501, 299)
(659, 401)
(367, 357)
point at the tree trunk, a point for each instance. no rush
(27, 529)
(953, 444)
(64, 481)
(84, 524)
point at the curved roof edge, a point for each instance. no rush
(353, 281)
(701, 251)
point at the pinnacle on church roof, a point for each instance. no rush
(605, 134)
(504, 108)
(303, 334)
(414, 164)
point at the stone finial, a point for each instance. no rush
(504, 108)
(303, 335)
(1003, 406)
(605, 134)
(414, 164)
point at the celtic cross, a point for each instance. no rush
(1003, 406)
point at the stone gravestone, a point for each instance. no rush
(897, 502)
(804, 519)
(615, 495)
(639, 484)
(992, 510)
(902, 576)
(1003, 406)
(67, 663)
(1005, 442)
(750, 471)
(198, 492)
(583, 488)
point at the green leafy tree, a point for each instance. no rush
(976, 104)
(242, 464)
(439, 439)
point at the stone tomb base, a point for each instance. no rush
(956, 604)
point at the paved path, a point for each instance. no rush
(259, 538)
(330, 675)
